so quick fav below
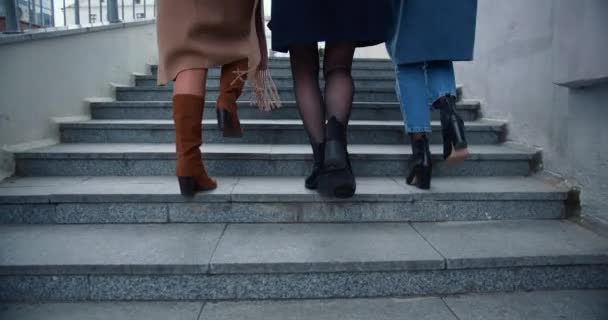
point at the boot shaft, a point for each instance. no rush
(187, 118)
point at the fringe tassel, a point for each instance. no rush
(265, 91)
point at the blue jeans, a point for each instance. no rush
(419, 85)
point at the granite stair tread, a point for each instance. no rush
(366, 92)
(541, 305)
(295, 248)
(388, 88)
(281, 76)
(110, 109)
(246, 199)
(246, 90)
(238, 159)
(108, 103)
(358, 64)
(506, 151)
(275, 131)
(285, 124)
(262, 189)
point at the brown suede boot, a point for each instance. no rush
(187, 116)
(232, 81)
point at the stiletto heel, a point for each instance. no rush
(337, 178)
(455, 147)
(420, 176)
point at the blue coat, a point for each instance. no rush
(432, 30)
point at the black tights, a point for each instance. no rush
(339, 86)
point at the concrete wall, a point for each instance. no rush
(520, 49)
(376, 52)
(48, 75)
(581, 42)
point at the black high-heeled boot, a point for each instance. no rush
(318, 153)
(337, 178)
(455, 147)
(420, 176)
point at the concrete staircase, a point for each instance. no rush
(99, 216)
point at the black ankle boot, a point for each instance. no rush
(420, 176)
(337, 179)
(318, 154)
(452, 130)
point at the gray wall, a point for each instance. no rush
(581, 42)
(50, 76)
(521, 49)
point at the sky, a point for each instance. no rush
(267, 7)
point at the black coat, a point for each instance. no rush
(365, 22)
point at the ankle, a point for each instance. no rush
(417, 137)
(444, 102)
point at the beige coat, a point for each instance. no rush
(200, 34)
(195, 34)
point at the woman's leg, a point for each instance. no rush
(191, 81)
(188, 105)
(412, 91)
(232, 81)
(338, 179)
(442, 90)
(305, 69)
(441, 79)
(413, 94)
(339, 85)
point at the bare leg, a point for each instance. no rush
(191, 81)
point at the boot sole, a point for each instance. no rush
(188, 186)
(338, 183)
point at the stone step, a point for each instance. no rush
(262, 160)
(283, 64)
(286, 72)
(543, 305)
(286, 93)
(147, 199)
(295, 261)
(281, 78)
(264, 131)
(469, 110)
